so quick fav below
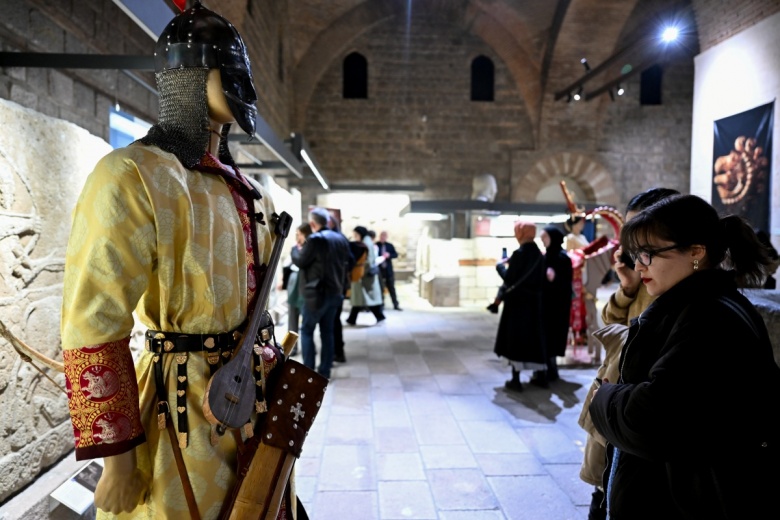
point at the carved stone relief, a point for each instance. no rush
(43, 165)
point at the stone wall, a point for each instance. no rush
(719, 20)
(43, 165)
(81, 96)
(418, 124)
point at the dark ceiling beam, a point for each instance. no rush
(555, 31)
(455, 206)
(606, 87)
(645, 39)
(53, 60)
(633, 46)
(264, 165)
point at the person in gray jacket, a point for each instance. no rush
(366, 292)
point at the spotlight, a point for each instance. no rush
(670, 34)
(578, 95)
(620, 90)
(585, 64)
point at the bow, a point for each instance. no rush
(29, 354)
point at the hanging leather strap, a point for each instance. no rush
(189, 495)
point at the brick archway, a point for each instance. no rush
(591, 177)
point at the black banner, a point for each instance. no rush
(742, 166)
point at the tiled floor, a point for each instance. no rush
(417, 425)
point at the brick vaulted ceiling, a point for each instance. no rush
(538, 45)
(541, 42)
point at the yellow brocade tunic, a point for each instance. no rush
(167, 242)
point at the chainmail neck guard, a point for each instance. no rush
(183, 126)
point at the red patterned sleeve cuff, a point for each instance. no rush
(103, 399)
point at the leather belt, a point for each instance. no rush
(218, 349)
(162, 342)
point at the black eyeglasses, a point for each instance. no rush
(645, 256)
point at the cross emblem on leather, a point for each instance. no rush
(297, 412)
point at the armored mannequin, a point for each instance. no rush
(167, 229)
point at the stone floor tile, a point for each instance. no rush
(437, 429)
(420, 384)
(533, 498)
(444, 362)
(456, 384)
(341, 505)
(347, 468)
(426, 402)
(494, 514)
(399, 466)
(474, 408)
(412, 365)
(492, 437)
(406, 500)
(350, 429)
(552, 446)
(385, 381)
(391, 413)
(460, 489)
(395, 440)
(441, 457)
(510, 464)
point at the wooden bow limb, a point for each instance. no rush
(29, 354)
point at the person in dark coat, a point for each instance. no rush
(520, 337)
(386, 274)
(556, 300)
(688, 436)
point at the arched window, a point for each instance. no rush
(355, 76)
(650, 86)
(482, 79)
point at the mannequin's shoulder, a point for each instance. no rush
(136, 158)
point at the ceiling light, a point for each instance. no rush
(584, 62)
(578, 95)
(620, 90)
(670, 34)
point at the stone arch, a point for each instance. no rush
(591, 177)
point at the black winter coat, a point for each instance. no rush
(556, 302)
(324, 261)
(520, 334)
(695, 415)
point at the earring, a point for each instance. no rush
(696, 265)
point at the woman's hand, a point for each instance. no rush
(550, 274)
(629, 278)
(122, 486)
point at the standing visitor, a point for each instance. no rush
(366, 292)
(626, 303)
(520, 337)
(386, 274)
(324, 262)
(685, 443)
(556, 300)
(294, 296)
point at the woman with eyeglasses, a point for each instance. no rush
(690, 438)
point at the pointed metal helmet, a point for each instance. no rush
(201, 38)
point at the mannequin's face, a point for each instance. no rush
(219, 111)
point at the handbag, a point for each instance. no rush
(506, 290)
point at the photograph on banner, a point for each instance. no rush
(742, 155)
